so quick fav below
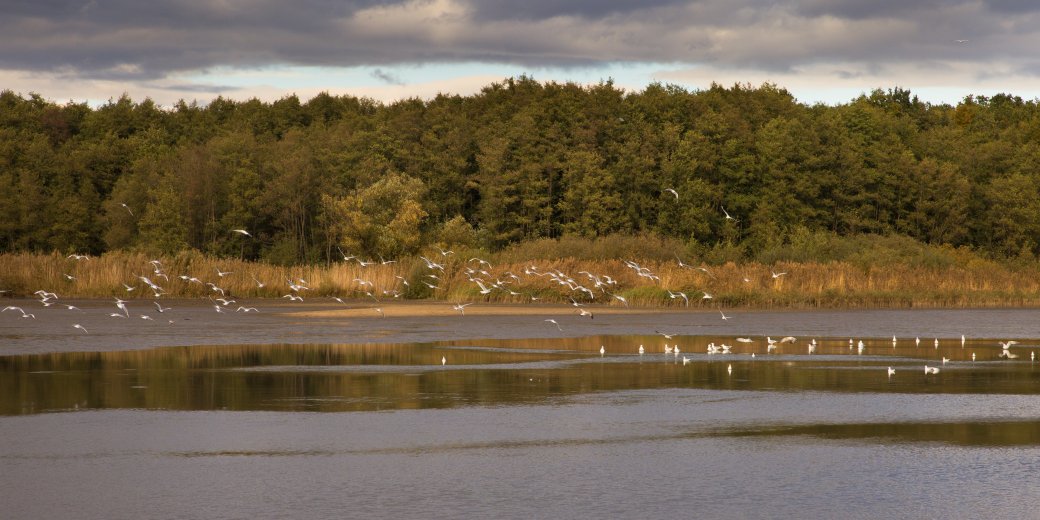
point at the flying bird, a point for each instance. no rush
(728, 217)
(259, 284)
(673, 192)
(242, 232)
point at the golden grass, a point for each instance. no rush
(805, 285)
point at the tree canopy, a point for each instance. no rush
(520, 160)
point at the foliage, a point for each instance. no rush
(525, 166)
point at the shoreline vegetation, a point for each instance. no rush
(835, 273)
(881, 202)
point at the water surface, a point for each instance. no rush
(537, 426)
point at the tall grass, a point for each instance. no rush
(900, 277)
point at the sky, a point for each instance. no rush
(822, 51)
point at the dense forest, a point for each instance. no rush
(521, 160)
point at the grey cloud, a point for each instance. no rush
(1013, 6)
(858, 9)
(541, 9)
(135, 40)
(386, 77)
(192, 87)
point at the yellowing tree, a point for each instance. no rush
(382, 219)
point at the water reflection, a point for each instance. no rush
(977, 433)
(381, 376)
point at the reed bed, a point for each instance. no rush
(745, 285)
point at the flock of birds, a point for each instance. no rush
(811, 349)
(584, 288)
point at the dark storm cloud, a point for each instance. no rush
(146, 40)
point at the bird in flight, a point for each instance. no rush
(728, 217)
(127, 208)
(80, 327)
(242, 232)
(673, 192)
(461, 307)
(961, 41)
(550, 320)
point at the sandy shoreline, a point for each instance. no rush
(419, 309)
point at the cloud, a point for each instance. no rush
(150, 39)
(128, 42)
(386, 77)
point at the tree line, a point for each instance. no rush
(518, 161)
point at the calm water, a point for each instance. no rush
(522, 428)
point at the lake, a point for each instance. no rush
(276, 415)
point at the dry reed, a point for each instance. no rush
(805, 285)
